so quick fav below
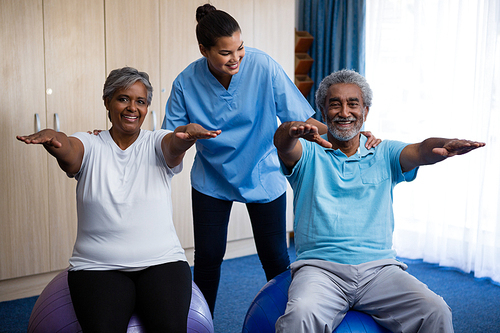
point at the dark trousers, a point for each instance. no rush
(211, 219)
(105, 300)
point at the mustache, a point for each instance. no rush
(344, 119)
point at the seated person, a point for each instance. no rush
(127, 256)
(344, 218)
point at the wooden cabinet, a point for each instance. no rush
(24, 221)
(75, 73)
(55, 57)
(132, 39)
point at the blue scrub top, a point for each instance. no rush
(241, 164)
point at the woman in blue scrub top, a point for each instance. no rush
(241, 91)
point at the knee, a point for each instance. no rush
(439, 311)
(301, 315)
(437, 316)
(275, 266)
(302, 307)
(208, 258)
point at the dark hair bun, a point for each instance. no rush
(203, 10)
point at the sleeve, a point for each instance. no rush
(394, 151)
(86, 140)
(159, 135)
(290, 103)
(175, 110)
(294, 175)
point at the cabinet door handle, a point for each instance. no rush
(57, 124)
(37, 123)
(153, 115)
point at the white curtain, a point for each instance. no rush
(434, 67)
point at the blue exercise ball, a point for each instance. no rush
(53, 311)
(270, 303)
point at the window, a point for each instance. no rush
(434, 67)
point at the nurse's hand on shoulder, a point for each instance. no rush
(193, 132)
(371, 140)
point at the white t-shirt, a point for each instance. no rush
(124, 205)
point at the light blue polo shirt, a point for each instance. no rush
(343, 205)
(241, 164)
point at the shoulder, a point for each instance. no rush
(194, 68)
(311, 150)
(82, 136)
(89, 139)
(160, 133)
(391, 147)
(259, 57)
(312, 153)
(156, 135)
(388, 153)
(155, 139)
(253, 52)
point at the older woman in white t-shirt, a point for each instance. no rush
(127, 256)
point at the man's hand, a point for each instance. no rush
(298, 129)
(433, 150)
(286, 140)
(457, 147)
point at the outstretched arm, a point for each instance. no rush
(286, 140)
(434, 150)
(67, 150)
(174, 145)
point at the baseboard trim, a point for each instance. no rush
(25, 286)
(33, 285)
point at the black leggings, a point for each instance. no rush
(105, 300)
(211, 219)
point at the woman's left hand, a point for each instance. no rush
(193, 132)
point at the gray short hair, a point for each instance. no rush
(343, 76)
(124, 78)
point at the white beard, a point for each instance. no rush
(345, 135)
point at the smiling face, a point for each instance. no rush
(344, 112)
(225, 57)
(127, 110)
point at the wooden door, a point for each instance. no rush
(75, 74)
(24, 229)
(274, 31)
(179, 48)
(132, 39)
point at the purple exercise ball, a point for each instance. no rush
(53, 311)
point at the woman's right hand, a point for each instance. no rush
(47, 137)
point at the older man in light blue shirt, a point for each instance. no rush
(344, 218)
